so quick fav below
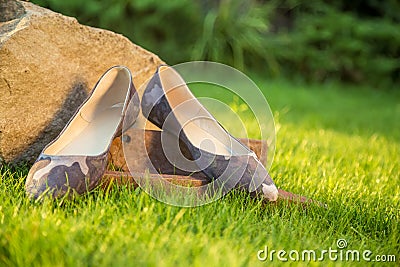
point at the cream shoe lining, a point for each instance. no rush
(202, 131)
(92, 129)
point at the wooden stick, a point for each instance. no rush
(125, 178)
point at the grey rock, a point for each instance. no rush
(10, 9)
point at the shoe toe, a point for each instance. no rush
(56, 176)
(270, 192)
(258, 181)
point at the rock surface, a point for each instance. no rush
(10, 10)
(48, 64)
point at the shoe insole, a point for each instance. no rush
(206, 140)
(94, 137)
(202, 130)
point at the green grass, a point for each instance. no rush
(337, 145)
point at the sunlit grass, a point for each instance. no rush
(339, 146)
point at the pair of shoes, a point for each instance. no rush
(76, 160)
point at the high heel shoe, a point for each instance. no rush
(76, 160)
(168, 103)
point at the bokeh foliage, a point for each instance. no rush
(353, 41)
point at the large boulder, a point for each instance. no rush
(48, 64)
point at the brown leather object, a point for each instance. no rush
(153, 150)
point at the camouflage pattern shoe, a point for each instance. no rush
(168, 103)
(76, 160)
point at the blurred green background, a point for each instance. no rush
(354, 42)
